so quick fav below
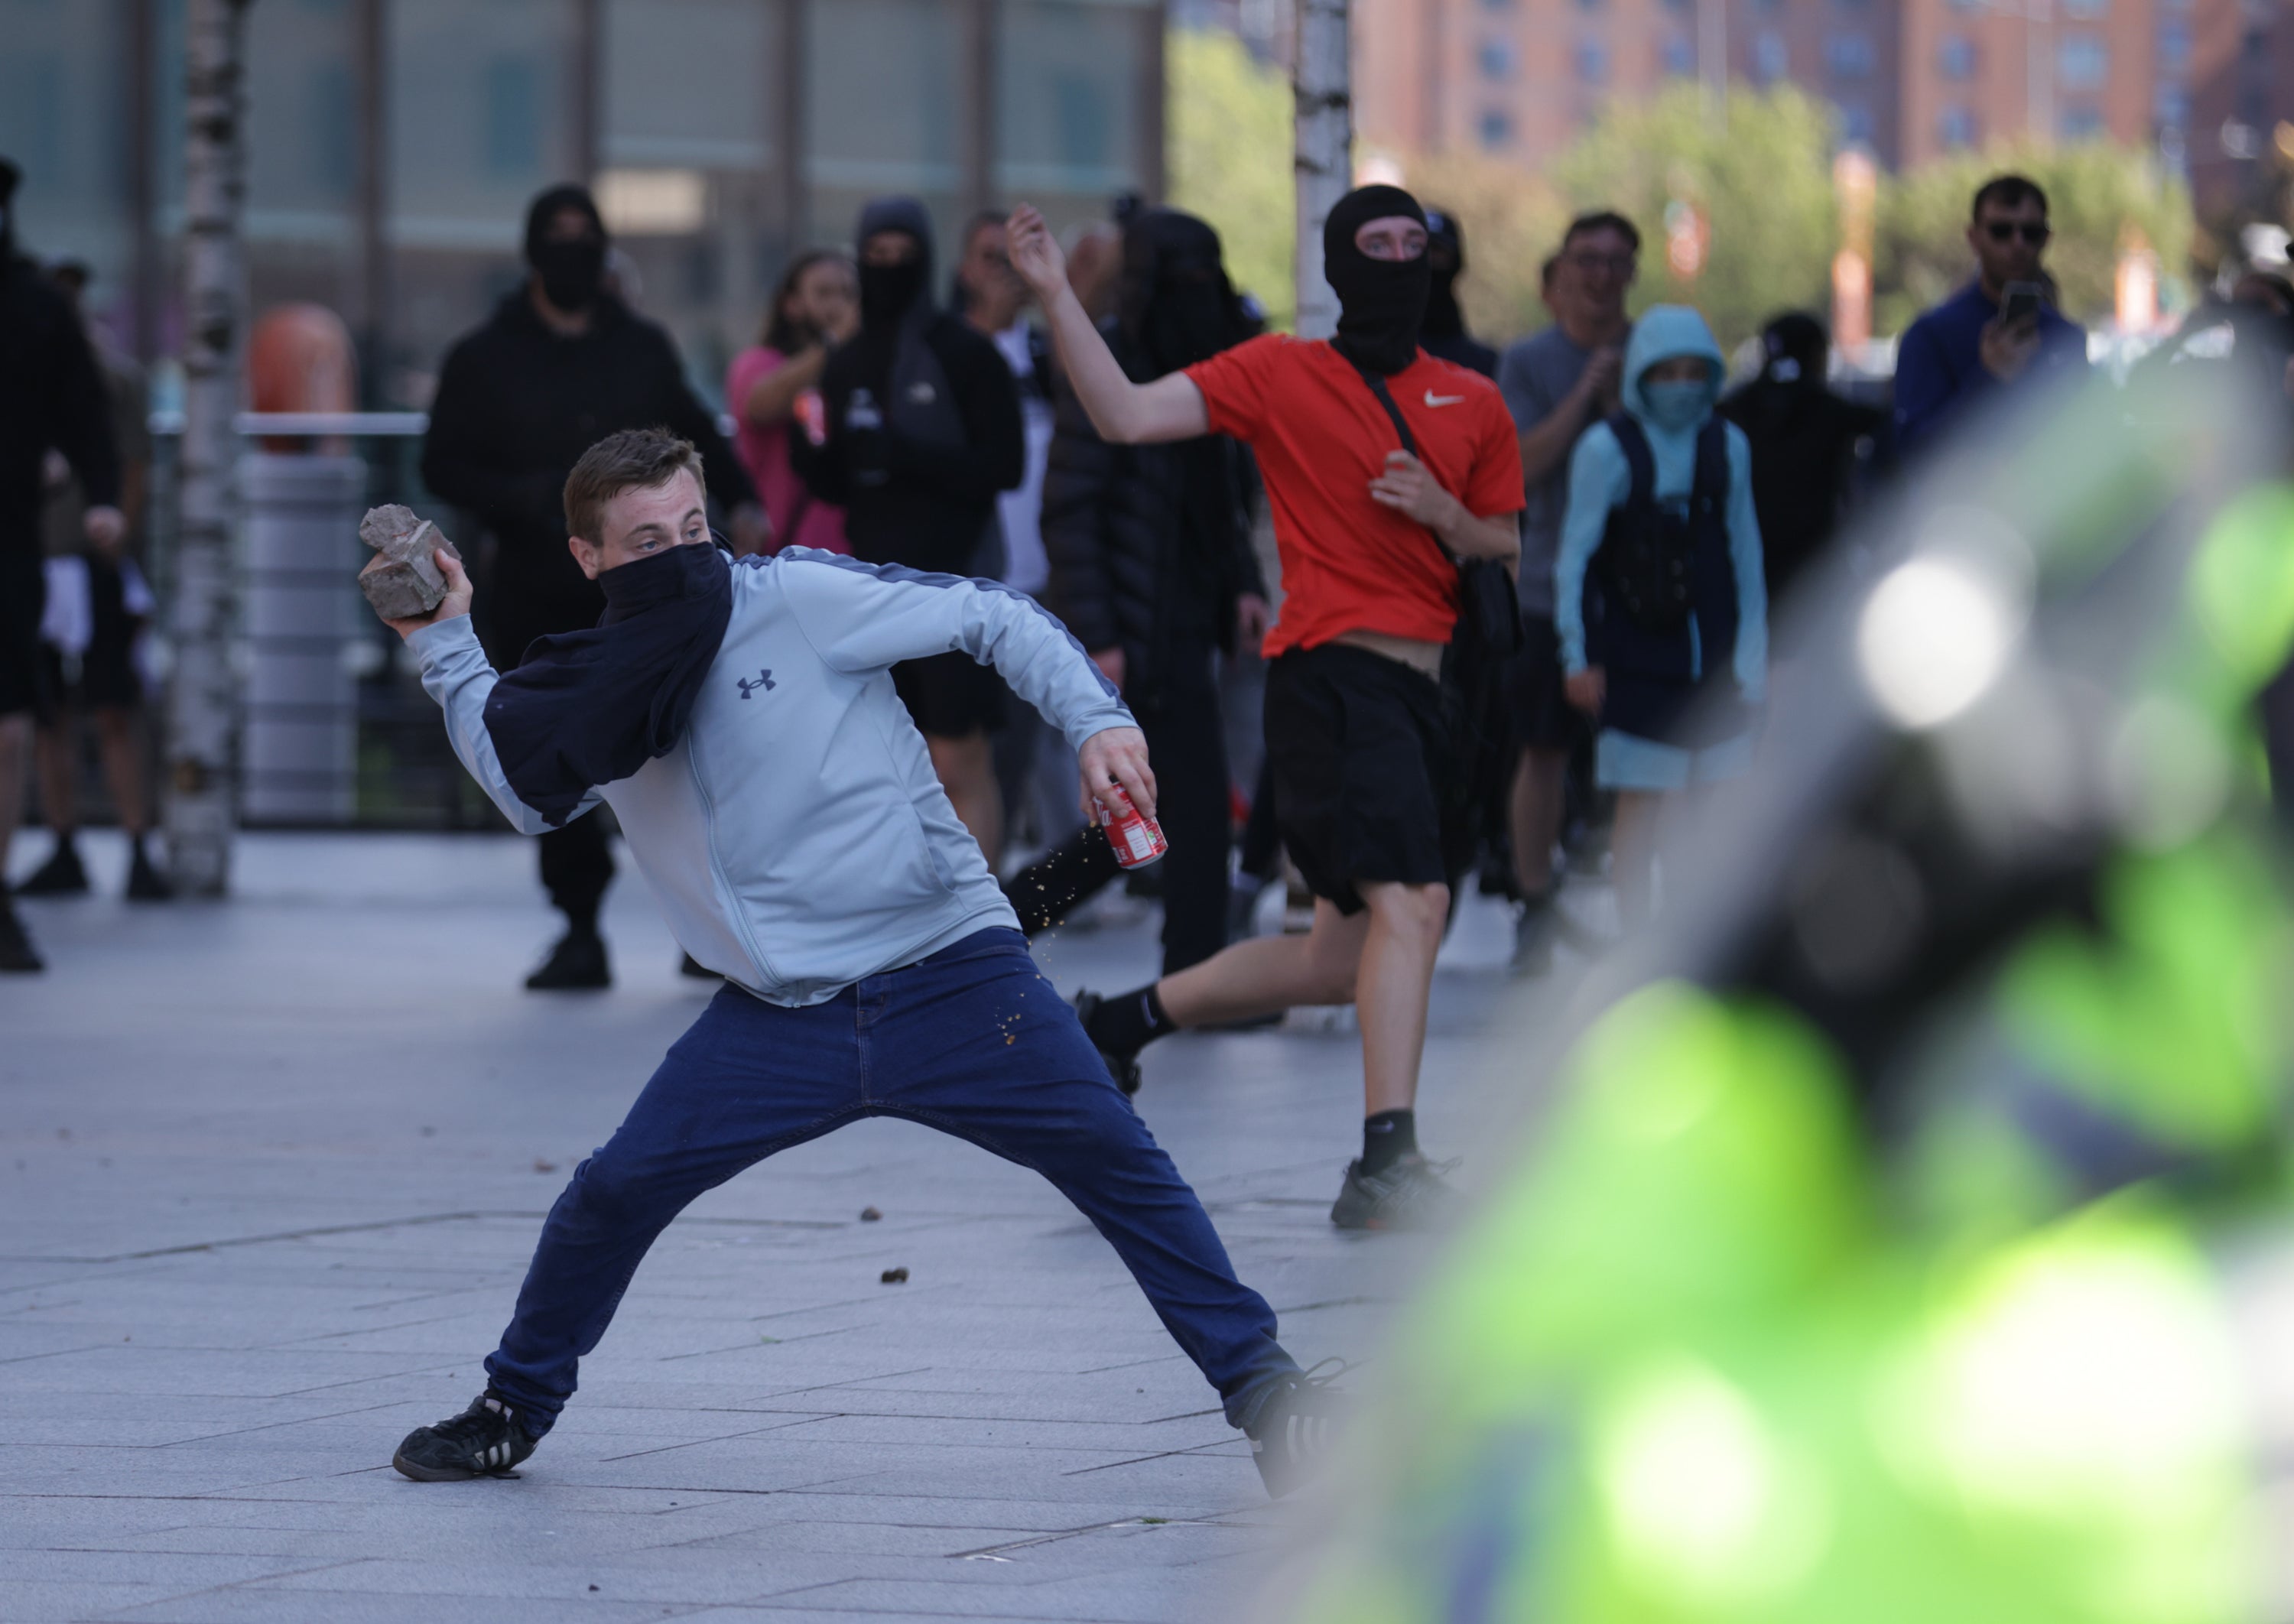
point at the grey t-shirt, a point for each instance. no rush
(1535, 376)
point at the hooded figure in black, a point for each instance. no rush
(1806, 444)
(923, 431)
(559, 365)
(51, 395)
(1150, 556)
(1443, 334)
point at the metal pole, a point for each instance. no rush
(793, 205)
(1713, 53)
(1322, 105)
(977, 181)
(373, 68)
(203, 695)
(589, 89)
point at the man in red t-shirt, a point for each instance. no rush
(1367, 790)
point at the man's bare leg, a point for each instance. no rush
(1632, 853)
(15, 747)
(966, 767)
(1538, 798)
(1267, 975)
(123, 767)
(52, 750)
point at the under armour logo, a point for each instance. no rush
(762, 679)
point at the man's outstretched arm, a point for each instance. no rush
(1170, 408)
(455, 673)
(864, 618)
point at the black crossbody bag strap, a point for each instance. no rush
(1486, 606)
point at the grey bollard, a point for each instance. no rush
(300, 756)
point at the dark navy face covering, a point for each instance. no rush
(588, 707)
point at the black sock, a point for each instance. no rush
(1124, 1023)
(581, 920)
(1387, 1136)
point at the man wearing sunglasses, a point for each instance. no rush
(2002, 329)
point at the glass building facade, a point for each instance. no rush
(394, 145)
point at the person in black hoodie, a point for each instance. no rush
(51, 395)
(561, 363)
(1805, 444)
(923, 430)
(1152, 571)
(1443, 334)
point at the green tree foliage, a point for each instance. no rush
(1512, 220)
(1228, 127)
(1761, 173)
(2098, 197)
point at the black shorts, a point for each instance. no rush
(104, 677)
(1536, 699)
(950, 696)
(1367, 782)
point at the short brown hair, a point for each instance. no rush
(634, 459)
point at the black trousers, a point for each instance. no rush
(577, 865)
(1186, 746)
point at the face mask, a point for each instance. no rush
(887, 291)
(1676, 405)
(694, 570)
(571, 272)
(1381, 301)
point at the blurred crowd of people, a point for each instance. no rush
(1213, 513)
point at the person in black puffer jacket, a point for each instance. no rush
(1152, 572)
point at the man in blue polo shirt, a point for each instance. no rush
(1969, 345)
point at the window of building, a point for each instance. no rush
(1956, 127)
(1679, 5)
(1678, 55)
(1849, 56)
(1857, 126)
(2080, 121)
(2085, 10)
(1497, 5)
(1496, 58)
(1589, 6)
(2082, 60)
(1494, 128)
(1592, 59)
(1955, 57)
(513, 116)
(2174, 45)
(1770, 60)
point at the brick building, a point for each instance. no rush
(1910, 78)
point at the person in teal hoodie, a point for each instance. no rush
(1659, 600)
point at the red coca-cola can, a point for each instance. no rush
(1136, 839)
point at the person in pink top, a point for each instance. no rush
(816, 307)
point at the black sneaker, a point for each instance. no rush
(1409, 1195)
(484, 1440)
(61, 875)
(576, 965)
(146, 883)
(17, 956)
(1296, 1425)
(1124, 1067)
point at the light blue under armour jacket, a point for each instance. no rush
(796, 835)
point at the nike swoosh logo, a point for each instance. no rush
(1432, 399)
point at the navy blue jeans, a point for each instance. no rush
(972, 1041)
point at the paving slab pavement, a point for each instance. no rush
(269, 1173)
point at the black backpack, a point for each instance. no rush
(1648, 560)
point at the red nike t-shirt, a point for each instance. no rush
(1350, 563)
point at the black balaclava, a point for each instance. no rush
(573, 272)
(1174, 301)
(889, 292)
(1794, 346)
(1445, 257)
(1381, 301)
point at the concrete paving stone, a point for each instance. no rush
(278, 1272)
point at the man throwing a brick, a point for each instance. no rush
(872, 965)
